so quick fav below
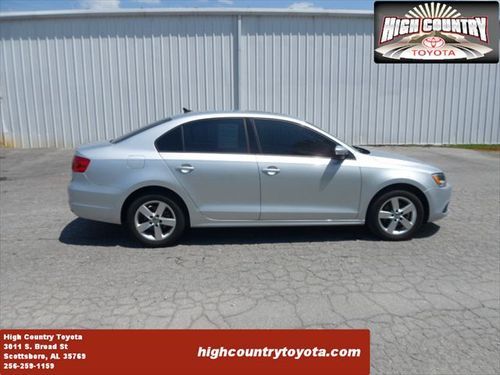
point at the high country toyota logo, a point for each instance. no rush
(436, 32)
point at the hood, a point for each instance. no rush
(390, 158)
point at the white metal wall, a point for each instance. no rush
(69, 80)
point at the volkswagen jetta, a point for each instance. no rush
(233, 169)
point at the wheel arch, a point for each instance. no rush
(403, 186)
(154, 189)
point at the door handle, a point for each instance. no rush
(185, 168)
(271, 171)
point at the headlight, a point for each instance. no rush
(439, 179)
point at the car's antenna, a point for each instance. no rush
(185, 110)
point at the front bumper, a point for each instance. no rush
(439, 200)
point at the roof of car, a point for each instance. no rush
(231, 113)
(159, 127)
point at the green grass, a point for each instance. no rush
(480, 147)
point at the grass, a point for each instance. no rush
(480, 147)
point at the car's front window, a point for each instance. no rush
(283, 138)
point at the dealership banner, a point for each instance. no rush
(185, 351)
(436, 32)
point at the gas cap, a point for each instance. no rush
(135, 161)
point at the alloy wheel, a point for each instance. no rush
(155, 220)
(397, 215)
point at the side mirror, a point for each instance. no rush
(340, 152)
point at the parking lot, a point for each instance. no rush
(432, 304)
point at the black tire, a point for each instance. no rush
(377, 226)
(174, 211)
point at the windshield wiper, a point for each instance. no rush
(362, 150)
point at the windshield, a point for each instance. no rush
(358, 148)
(140, 130)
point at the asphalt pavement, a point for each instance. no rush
(432, 304)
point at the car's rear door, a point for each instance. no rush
(211, 160)
(299, 178)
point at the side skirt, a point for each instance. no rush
(275, 223)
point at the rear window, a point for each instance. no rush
(140, 130)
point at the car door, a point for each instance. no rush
(299, 178)
(211, 160)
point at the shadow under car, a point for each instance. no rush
(92, 233)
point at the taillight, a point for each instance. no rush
(80, 164)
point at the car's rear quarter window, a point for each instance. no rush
(171, 141)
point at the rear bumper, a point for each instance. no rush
(439, 200)
(94, 202)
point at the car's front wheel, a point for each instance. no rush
(156, 220)
(396, 215)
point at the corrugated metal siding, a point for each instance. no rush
(68, 81)
(322, 70)
(72, 81)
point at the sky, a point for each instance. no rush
(38, 5)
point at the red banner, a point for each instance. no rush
(185, 351)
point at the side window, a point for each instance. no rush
(284, 138)
(170, 141)
(226, 135)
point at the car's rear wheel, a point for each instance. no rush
(156, 220)
(396, 215)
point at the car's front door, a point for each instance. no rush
(212, 162)
(299, 178)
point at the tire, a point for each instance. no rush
(398, 223)
(156, 220)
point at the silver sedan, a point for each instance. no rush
(234, 169)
